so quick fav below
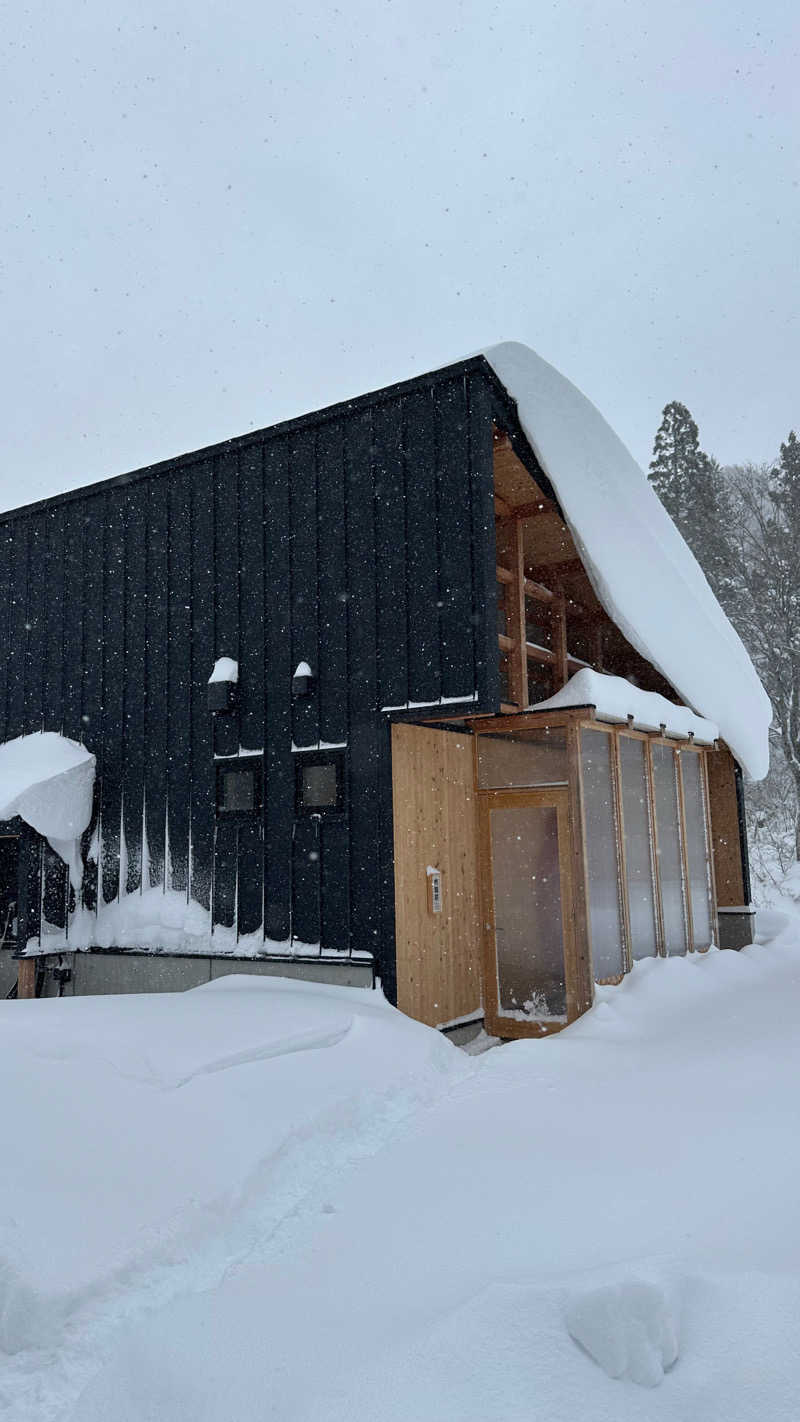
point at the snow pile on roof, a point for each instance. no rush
(615, 699)
(642, 571)
(48, 781)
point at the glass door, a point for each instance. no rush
(528, 900)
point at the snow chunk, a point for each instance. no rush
(615, 699)
(640, 568)
(225, 669)
(48, 781)
(628, 1330)
(303, 669)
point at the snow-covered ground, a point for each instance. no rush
(263, 1199)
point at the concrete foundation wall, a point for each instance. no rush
(93, 973)
(736, 927)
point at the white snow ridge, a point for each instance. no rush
(628, 1330)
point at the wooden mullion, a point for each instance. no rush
(504, 575)
(506, 644)
(687, 883)
(622, 860)
(582, 977)
(709, 843)
(661, 948)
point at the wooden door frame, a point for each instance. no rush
(546, 797)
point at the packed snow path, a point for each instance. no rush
(271, 1200)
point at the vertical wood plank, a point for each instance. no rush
(203, 647)
(455, 540)
(484, 553)
(113, 694)
(36, 626)
(134, 609)
(76, 556)
(305, 590)
(16, 651)
(278, 765)
(250, 840)
(364, 752)
(332, 565)
(156, 680)
(422, 534)
(188, 728)
(6, 545)
(391, 554)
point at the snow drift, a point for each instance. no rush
(640, 567)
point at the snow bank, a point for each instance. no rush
(165, 1132)
(48, 781)
(614, 699)
(641, 569)
(635, 1175)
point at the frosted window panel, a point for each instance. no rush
(530, 758)
(638, 847)
(605, 918)
(527, 913)
(670, 862)
(697, 848)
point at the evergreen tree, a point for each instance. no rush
(693, 490)
(767, 577)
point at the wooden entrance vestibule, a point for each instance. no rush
(565, 848)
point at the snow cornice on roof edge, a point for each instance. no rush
(641, 569)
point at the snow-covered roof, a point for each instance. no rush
(614, 699)
(643, 573)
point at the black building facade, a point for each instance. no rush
(359, 540)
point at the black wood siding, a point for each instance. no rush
(359, 540)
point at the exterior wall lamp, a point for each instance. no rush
(223, 685)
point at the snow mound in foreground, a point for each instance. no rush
(149, 1131)
(628, 1329)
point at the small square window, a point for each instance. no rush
(239, 788)
(319, 781)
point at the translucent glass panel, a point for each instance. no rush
(527, 909)
(605, 918)
(670, 862)
(638, 853)
(697, 848)
(528, 758)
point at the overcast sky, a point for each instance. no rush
(215, 217)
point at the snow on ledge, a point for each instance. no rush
(640, 568)
(615, 699)
(48, 781)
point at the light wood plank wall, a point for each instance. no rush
(435, 823)
(728, 873)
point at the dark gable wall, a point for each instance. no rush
(359, 540)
